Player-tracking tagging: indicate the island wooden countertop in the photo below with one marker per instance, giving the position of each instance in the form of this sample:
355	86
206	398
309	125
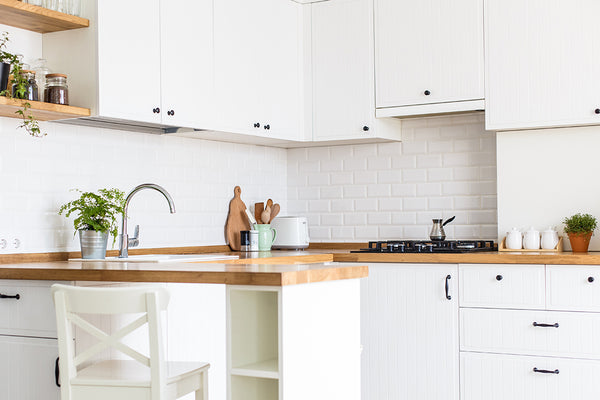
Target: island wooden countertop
184	272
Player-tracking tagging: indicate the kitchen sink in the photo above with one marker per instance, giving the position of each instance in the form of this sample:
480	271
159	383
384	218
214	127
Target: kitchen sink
157	258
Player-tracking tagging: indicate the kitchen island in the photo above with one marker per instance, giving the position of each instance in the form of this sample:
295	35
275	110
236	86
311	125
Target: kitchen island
286	331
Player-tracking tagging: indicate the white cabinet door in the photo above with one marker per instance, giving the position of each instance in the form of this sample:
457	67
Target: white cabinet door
504	377
409	331
258	67
27	370
428	51
542	63
129	59
187	62
342	69
573	287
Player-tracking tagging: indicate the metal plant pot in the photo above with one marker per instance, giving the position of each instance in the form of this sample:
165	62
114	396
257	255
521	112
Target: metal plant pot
4	72
93	244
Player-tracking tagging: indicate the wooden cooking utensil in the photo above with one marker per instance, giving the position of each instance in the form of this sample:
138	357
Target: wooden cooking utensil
274	211
266	215
269	204
258	210
236	220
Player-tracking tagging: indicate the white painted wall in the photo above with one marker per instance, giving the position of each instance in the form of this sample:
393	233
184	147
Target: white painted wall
444	166
547	175
37	174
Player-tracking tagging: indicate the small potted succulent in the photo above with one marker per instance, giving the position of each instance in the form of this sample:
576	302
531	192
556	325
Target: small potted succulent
97	216
580	228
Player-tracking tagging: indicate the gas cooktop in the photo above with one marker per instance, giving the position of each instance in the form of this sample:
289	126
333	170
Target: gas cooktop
429	246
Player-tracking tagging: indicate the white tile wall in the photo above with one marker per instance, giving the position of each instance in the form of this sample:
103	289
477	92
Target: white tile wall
444	166
36	175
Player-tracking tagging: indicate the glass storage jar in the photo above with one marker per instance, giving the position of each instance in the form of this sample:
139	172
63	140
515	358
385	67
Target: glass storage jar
56	90
41	70
31	88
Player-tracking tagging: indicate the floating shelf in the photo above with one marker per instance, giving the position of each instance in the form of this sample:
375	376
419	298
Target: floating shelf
42	111
268	369
38	19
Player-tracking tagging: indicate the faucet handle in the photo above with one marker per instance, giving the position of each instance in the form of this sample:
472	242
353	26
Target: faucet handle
135	240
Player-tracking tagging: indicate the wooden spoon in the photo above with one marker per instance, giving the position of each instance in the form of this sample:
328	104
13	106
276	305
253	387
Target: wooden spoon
265	217
274	211
269	204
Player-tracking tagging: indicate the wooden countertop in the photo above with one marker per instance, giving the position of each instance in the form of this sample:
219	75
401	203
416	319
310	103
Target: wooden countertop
231	274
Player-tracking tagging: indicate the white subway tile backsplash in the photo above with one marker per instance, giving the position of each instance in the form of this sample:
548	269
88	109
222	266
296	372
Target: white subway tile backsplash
442	203
429	161
355	164
365	177
351	192
365	205
342	205
377	163
331	192
414	204
332	165
365	233
389	176
404	218
404	190
392	148
414	147
342	233
414	175
402	162
390	232
332	219
429	189
380	218
466	173
355	219
343	178
467	202
391	204
380	190
439	174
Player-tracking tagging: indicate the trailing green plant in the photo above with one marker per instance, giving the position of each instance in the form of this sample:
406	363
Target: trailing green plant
580	223
20	84
96	211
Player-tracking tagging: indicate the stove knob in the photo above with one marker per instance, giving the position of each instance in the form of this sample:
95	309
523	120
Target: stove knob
395	248
402	247
418	247
430	248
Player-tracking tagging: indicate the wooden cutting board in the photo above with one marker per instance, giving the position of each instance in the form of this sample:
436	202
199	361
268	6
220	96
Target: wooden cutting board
236	220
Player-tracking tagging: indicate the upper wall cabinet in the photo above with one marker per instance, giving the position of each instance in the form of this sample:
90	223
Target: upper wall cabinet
343	90
542	63
259	60
428	56
138	62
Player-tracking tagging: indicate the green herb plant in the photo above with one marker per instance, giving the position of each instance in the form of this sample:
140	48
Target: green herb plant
96	211
20	83
580	223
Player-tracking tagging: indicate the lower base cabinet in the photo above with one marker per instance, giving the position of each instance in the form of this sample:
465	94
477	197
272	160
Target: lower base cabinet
27	368
409	332
508	377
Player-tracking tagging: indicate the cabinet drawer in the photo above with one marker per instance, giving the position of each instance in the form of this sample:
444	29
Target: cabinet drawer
573	288
503	377
502	286
30	315
513	331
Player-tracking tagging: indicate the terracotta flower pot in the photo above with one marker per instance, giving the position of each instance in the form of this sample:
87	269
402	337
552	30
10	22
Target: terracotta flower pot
580	241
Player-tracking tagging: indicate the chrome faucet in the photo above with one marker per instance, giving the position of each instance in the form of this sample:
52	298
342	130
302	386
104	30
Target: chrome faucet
125	241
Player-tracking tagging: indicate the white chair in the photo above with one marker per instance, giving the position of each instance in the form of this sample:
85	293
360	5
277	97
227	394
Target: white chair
147	378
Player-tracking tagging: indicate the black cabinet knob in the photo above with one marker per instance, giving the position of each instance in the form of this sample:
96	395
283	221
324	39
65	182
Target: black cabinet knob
365	128
427	93
499	278
156	110
257	125
171	112
267	127
590	279
597	110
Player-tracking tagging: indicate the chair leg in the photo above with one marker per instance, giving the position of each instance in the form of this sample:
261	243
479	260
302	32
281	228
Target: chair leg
202	393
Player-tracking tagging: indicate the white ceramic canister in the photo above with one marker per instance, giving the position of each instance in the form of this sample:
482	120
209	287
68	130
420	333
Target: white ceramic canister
514	239
549	239
531	239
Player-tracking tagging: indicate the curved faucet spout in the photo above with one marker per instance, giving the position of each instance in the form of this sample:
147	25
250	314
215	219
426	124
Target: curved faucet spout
124	241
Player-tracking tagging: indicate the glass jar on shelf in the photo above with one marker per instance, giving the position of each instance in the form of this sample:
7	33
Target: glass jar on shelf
31	87
41	70
56	90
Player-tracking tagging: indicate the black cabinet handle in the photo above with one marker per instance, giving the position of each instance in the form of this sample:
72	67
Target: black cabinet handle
267	127
597	110
447	286
365	128
545	371
257	125
499	278
156	110
546	325
590	279
57	372
427	93
171	112
6	296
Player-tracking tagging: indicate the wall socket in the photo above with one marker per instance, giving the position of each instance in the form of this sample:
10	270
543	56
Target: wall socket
9	244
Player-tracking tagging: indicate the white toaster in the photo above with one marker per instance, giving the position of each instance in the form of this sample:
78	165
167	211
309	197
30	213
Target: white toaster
292	233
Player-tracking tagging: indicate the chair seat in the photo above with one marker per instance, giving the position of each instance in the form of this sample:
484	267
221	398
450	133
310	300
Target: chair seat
133	374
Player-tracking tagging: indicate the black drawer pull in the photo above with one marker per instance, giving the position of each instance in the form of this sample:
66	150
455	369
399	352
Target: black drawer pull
447	287
546	325
545	371
5	296
499	278
590	279
57	372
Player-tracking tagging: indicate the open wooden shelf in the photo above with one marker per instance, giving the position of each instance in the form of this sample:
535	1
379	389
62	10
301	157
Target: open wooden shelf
42	111
268	369
38	19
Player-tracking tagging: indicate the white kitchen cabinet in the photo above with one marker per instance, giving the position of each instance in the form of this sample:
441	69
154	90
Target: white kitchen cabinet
343	88
27	370
294	342
573	287
409	331
428	56
503	377
259	80
141	62
542	62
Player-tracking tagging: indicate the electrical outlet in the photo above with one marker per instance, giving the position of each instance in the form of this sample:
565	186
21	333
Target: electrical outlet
16	243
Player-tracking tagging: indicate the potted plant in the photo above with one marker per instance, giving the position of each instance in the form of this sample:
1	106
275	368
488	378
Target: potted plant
96	217
580	228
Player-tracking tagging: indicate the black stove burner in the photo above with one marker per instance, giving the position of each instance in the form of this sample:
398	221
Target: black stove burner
429	246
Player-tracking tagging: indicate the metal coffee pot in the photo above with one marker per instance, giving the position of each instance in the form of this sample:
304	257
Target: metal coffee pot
437	231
